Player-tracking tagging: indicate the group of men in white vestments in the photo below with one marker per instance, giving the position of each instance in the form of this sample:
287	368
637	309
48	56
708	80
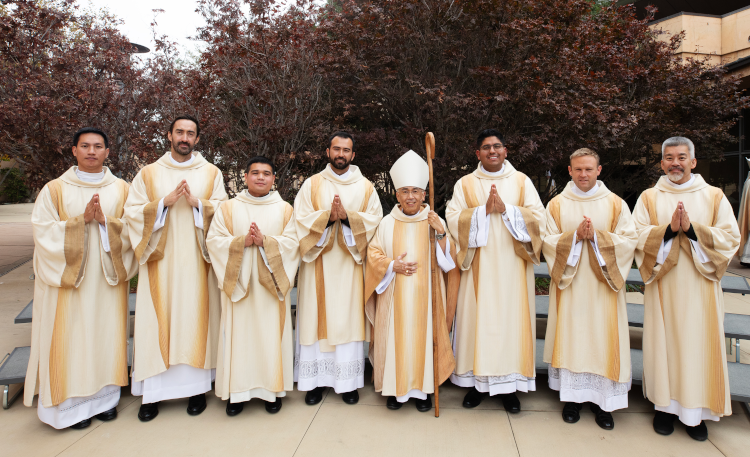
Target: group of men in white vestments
215	277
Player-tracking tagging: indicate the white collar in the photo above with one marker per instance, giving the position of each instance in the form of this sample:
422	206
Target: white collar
581	193
89	177
345	175
496	173
248	194
683	185
182	164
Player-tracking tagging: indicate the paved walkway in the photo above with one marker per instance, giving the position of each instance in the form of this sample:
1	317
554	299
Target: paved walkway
16	241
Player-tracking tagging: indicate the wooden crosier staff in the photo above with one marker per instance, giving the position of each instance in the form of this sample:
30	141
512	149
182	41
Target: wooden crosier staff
430	147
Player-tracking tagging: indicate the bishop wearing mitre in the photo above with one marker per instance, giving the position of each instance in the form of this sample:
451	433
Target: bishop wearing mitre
82	263
336	212
399	290
589	248
686	235
255	254
178	307
497	221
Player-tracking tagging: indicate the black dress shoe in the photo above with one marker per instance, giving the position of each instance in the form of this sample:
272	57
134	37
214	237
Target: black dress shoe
664	423
571	412
699	432
234	408
424	405
83	424
473	398
107	415
393	404
350	398
603	418
148	411
511	403
274	407
197	404
314	396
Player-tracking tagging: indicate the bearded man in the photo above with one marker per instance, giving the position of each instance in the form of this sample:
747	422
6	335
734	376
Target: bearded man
169	211
336	212
686	235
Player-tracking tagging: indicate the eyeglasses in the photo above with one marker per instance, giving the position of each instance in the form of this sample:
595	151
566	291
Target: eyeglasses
496	147
409	192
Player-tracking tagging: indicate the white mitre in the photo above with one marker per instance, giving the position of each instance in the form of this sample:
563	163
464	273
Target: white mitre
410	170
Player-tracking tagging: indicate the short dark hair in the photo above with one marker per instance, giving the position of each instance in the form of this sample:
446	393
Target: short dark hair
95	130
259	159
484	134
187	117
341	134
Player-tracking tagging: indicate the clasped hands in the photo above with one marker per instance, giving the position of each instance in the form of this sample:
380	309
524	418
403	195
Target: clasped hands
182	190
94	211
409	268
337	210
494	202
585	230
254	236
680	219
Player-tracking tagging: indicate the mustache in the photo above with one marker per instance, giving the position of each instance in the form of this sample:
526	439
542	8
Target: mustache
676	167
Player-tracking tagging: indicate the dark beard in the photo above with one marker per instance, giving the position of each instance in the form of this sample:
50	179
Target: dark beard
339	167
179	151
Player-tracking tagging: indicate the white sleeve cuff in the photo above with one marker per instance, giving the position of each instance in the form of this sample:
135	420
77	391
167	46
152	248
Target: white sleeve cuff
699	250
598	254
265	260
515	223
444	260
663	251
198	215
104	235
348	236
161	216
389	275
322	238
575	252
480	228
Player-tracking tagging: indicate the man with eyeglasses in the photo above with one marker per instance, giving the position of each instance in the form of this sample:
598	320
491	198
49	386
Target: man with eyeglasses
336	212
497	221
398	287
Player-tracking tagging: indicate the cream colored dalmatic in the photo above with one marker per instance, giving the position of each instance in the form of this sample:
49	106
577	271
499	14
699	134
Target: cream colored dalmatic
495	326
684	365
178	303
588	340
255	358
79	354
331	313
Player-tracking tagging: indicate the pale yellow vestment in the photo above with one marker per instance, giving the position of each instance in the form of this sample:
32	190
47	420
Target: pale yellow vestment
255	346
78	330
683	328
401	316
587	327
178	303
495	328
331	278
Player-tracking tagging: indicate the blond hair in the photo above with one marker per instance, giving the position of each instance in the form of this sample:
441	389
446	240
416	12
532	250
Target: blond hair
583	152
